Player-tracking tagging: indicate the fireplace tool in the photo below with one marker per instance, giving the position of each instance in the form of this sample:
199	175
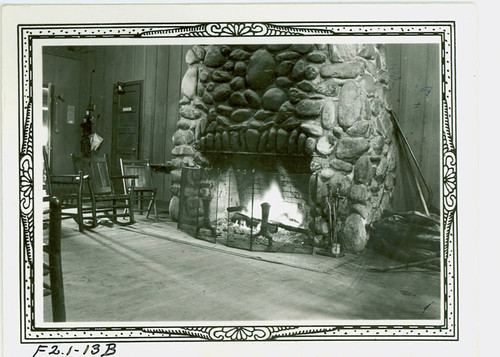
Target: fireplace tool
408	152
333	250
206	199
205	223
264	224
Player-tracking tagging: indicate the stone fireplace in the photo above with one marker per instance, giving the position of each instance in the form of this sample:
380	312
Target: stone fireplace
285	114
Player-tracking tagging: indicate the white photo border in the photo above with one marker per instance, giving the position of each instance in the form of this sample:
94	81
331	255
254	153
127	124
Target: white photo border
447	329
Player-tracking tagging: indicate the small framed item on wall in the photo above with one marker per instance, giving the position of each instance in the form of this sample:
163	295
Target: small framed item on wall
70	114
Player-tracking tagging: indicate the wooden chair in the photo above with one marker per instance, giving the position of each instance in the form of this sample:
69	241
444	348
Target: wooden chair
52	247
104	201
143	184
68	189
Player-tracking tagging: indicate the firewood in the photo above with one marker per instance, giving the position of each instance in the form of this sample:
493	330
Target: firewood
235	208
252	222
289	228
238	216
414	217
395	224
404	254
426	241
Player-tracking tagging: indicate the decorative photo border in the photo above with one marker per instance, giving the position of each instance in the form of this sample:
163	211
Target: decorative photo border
31	332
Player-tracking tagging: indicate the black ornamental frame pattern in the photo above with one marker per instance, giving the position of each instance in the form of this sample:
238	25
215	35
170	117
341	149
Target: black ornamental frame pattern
445	329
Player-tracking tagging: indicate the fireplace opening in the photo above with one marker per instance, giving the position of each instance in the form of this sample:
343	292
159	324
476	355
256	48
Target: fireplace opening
267	208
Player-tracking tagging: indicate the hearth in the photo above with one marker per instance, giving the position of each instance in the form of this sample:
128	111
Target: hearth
260	121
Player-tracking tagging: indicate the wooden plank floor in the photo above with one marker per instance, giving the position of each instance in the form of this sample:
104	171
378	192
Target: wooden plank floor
153	272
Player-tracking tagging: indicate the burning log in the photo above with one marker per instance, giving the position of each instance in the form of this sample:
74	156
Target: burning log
289	228
252	222
235	209
272	225
249	221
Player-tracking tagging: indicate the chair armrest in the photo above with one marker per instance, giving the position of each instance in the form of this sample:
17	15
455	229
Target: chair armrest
131	177
66	176
124	177
67	179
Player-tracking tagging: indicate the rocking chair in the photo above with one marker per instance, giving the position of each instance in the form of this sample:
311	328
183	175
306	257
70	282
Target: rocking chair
104	201
68	189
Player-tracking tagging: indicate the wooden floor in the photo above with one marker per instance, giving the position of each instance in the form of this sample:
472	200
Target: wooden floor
153	272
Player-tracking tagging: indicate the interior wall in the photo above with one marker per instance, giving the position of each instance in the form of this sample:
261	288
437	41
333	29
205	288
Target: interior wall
414	94
160	68
61	67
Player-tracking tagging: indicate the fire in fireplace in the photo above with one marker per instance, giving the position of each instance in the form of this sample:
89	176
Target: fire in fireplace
278	209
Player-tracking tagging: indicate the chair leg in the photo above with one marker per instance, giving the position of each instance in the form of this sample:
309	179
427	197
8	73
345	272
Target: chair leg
125	211
79	211
56	275
94	213
131	206
140	197
79	219
131	211
152	204
149	207
156	212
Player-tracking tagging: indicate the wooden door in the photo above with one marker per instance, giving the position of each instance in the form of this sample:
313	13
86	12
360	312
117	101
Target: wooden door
127	107
64	136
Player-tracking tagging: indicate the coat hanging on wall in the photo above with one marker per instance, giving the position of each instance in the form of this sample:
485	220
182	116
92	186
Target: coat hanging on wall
89	141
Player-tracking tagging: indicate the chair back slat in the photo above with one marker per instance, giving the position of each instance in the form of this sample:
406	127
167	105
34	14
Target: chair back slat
138	168
100	176
98	171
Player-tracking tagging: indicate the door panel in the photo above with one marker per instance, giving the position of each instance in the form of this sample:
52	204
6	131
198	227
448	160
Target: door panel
129	100
127	103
